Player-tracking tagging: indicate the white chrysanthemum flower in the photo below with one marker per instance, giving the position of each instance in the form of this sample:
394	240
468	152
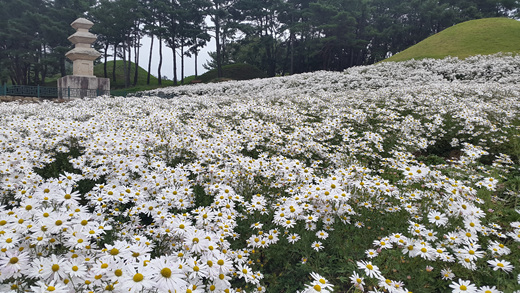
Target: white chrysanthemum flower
463	286
317	245
167	275
318	285
371	270
52	286
500	265
137	279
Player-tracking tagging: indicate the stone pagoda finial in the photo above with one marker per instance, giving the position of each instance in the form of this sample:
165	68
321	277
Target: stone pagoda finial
83	55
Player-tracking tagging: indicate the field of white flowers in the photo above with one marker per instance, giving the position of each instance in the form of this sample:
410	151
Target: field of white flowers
395	177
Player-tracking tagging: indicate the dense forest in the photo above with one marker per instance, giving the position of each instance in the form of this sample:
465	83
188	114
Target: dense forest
277	36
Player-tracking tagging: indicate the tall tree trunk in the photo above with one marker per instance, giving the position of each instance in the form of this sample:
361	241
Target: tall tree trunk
106	59
127	77
19	72
36	74
291	70
136	58
37	67
114	66
196	65
217	40
44	69
150	62
160	62
182	64
125	66
44	73
174	66
27	74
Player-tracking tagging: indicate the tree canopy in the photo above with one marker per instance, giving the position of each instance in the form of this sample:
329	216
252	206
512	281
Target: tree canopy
276	36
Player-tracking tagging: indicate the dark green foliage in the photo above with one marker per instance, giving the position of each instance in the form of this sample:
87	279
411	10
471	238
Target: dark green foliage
33	39
201	198
235	72
60	165
431	160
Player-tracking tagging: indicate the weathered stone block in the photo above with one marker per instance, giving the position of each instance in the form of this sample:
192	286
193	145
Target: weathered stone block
74	87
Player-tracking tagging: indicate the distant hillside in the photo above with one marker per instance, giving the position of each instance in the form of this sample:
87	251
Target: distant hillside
141	78
475	37
120	76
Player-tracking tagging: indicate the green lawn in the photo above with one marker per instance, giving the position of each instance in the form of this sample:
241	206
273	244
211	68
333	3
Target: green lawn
475	37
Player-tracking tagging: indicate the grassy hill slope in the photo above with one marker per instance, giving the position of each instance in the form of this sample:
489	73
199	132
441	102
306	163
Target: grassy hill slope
120	77
141	77
475	37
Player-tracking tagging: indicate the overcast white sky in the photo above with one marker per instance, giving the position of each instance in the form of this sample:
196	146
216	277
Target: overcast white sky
167	65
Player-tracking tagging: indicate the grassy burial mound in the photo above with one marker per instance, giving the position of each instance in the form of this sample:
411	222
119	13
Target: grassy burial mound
470	38
120	74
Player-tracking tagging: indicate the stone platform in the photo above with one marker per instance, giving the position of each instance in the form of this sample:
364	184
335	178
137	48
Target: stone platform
74	86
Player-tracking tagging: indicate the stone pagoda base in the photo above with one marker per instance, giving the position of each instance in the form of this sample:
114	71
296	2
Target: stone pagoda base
74	87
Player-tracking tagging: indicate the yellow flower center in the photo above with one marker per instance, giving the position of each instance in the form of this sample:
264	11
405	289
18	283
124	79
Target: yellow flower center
138	277
166	272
